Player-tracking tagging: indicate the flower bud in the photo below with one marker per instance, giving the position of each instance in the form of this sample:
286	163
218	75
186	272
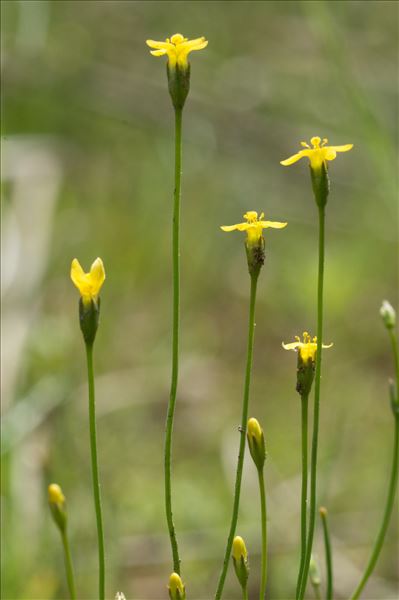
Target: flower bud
256	443
240	560
89	315
314	572
176	588
56	501
388	315
178	84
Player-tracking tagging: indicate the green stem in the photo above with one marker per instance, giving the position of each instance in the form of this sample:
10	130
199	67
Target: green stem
391	489
328	553
68	565
316	407
245	593
94	469
243	427
264	534
304	491
175	343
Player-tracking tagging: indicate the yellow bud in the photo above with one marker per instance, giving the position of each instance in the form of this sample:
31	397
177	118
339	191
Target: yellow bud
55	495
239	549
176	587
256	443
254	429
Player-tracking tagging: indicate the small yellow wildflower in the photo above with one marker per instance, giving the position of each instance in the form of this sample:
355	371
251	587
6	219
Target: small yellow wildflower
239	549
307	349
317	155
177	48
55	495
88	284
176	587
254	226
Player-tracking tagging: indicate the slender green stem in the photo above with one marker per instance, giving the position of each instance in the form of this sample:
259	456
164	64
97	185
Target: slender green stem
243	427
95	476
304	491
328	553
175	343
264	534
316	407
316	589
391	489
245	593
68	565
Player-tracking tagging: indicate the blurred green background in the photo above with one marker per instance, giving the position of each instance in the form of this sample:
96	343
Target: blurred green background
88	171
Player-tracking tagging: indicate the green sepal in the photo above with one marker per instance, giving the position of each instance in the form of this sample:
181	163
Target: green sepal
177	595
59	515
255	256
179	84
242	570
304	376
89	315
320	184
257	450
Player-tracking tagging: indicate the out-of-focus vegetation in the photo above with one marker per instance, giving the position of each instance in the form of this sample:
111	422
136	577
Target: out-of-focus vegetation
88	171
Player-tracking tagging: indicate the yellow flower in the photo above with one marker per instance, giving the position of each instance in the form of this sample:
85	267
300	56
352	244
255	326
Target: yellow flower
55	495
177	48
307	349
254	226
239	549
317	155
88	284
176	587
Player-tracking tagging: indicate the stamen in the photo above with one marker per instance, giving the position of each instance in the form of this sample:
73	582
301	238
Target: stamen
305	145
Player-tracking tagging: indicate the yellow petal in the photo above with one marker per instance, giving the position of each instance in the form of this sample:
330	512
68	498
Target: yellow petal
197	44
329	153
159	45
327	345
77	274
292	345
294	158
97	275
273	224
228	227
158	52
344	148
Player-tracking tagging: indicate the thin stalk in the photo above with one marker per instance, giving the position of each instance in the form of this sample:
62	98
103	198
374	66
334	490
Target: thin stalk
68	565
391	488
245	593
244	419
316	407
264	534
328	553
304	491
175	342
94	470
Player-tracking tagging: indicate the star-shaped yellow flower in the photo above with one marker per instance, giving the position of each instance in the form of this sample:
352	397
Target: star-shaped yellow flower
307	349
88	284
177	48
317	155
254	226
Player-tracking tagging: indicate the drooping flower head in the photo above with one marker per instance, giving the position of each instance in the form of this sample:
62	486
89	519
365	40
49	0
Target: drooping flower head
319	154
254	226
177	49
88	284
306	349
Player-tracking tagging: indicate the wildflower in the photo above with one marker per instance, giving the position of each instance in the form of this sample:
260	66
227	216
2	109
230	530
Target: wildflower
256	442
254	226
306	349
88	284
55	495
319	154
177	49
240	560
176	587
56	500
